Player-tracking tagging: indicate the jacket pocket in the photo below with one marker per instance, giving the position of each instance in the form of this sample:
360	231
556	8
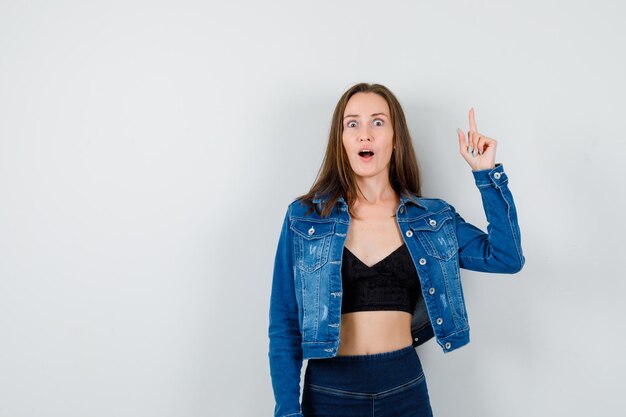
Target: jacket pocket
312	243
436	234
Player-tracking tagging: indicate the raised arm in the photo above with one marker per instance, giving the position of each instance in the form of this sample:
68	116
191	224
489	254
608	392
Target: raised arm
500	249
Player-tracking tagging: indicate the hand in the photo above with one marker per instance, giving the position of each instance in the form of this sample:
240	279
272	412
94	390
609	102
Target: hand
479	151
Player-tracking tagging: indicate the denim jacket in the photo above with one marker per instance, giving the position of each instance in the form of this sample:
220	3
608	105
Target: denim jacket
305	303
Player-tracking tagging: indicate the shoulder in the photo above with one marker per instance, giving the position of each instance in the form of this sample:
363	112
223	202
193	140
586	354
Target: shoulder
434	203
316	208
430	204
299	208
296	205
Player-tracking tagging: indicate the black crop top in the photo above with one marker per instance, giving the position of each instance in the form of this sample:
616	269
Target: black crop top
390	284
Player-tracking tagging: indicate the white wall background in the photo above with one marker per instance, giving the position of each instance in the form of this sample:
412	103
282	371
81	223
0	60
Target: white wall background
148	151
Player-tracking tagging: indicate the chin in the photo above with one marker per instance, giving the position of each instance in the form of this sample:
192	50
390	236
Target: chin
366	174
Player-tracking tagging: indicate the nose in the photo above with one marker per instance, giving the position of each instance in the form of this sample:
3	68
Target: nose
365	136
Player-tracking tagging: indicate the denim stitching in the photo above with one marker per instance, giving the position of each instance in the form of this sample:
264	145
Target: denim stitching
413	219
508	212
338	391
427	243
427	240
446	279
517	248
463	330
317	303
461	296
366	395
400	388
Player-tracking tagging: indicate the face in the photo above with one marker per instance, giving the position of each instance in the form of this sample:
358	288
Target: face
367	126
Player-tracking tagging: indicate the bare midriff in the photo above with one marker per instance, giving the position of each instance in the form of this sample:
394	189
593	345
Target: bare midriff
368	332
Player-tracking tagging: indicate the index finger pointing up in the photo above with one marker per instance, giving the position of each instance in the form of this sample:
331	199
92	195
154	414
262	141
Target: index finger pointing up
472	120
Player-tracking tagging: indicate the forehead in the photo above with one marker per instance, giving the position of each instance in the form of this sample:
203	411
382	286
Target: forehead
366	103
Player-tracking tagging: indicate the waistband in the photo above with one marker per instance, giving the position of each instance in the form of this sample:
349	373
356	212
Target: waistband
408	350
365	373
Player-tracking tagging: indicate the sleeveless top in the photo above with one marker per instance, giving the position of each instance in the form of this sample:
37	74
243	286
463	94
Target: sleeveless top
390	284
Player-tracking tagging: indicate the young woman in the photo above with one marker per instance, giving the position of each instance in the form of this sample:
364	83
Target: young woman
367	268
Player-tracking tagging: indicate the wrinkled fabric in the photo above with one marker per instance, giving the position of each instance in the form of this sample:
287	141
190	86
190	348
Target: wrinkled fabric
306	293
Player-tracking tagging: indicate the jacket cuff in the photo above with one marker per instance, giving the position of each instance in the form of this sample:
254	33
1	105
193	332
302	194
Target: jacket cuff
491	176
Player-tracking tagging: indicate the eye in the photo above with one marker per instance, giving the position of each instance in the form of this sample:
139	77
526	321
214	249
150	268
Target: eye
379	120
350	122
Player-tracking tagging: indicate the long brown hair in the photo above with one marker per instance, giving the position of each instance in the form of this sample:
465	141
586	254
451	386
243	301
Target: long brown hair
336	178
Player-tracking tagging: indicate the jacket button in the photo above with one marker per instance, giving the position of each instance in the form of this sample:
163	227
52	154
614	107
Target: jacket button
402	209
439	320
448	345
311	230
416	339
496	175
432	222
409	233
431	291
422	261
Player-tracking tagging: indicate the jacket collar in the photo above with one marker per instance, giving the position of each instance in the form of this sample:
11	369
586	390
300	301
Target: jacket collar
404	199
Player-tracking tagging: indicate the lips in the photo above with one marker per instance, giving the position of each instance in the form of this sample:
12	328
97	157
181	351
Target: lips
366	151
366	154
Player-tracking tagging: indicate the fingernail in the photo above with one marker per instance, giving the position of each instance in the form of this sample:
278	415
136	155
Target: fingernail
480	151
470	149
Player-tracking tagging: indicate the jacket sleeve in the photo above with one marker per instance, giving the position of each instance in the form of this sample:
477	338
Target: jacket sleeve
499	250
285	351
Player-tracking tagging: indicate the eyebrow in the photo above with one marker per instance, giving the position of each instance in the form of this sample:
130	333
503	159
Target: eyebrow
373	114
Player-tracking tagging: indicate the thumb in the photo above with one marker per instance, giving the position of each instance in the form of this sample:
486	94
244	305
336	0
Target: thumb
463	144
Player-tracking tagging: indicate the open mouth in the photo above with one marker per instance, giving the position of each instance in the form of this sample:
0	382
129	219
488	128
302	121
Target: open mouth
366	154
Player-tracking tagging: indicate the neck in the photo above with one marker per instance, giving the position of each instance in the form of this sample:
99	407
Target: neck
375	190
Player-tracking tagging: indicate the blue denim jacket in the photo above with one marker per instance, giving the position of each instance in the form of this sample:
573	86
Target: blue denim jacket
305	304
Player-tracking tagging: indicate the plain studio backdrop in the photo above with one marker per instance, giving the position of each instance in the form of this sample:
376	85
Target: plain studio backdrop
148	151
